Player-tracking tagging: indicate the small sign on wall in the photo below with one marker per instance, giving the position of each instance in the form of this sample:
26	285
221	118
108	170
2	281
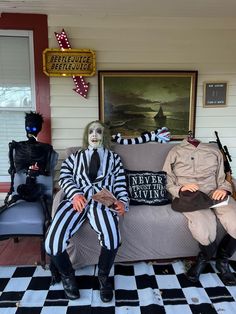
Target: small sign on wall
215	94
69	62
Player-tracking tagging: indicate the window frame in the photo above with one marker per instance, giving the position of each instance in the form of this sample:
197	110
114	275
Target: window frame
37	23
29	35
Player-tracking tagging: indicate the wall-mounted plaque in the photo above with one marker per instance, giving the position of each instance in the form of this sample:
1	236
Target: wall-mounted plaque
69	62
215	94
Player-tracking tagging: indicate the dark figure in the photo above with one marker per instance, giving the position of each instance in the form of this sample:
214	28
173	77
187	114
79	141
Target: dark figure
32	158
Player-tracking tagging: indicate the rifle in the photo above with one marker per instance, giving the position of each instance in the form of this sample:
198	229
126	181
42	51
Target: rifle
227	168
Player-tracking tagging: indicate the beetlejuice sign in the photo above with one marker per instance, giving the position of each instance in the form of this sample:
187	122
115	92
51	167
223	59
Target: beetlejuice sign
66	61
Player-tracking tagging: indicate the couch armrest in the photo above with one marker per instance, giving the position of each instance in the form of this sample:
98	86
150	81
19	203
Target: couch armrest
57	200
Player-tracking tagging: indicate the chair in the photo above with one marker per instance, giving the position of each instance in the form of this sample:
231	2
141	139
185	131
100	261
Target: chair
30	218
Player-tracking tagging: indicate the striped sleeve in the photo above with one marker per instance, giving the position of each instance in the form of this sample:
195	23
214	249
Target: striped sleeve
67	177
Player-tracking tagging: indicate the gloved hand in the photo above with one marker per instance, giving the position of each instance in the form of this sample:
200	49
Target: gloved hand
79	202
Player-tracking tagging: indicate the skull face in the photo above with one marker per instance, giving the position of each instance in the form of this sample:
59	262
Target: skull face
95	135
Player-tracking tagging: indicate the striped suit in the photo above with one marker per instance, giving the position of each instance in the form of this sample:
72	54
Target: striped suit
74	180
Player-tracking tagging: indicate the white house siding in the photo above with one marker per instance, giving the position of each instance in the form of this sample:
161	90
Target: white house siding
207	45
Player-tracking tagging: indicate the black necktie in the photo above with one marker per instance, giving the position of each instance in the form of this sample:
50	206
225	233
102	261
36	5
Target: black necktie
94	165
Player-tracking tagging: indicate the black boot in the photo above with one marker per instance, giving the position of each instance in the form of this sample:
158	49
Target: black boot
105	263
67	273
56	276
206	253
226	249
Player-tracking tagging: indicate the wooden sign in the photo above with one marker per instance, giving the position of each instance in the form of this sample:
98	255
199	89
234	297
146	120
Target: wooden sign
215	94
69	62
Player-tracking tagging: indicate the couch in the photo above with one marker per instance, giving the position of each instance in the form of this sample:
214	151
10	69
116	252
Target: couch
148	232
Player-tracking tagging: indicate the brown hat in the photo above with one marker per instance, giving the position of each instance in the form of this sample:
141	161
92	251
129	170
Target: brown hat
191	201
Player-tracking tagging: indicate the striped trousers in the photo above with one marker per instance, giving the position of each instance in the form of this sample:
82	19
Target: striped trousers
67	222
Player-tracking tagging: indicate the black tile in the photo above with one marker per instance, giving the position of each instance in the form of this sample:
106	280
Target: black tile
219	294
10	299
102	310
39	283
208	269
125	270
28	310
185	282
204	308
79	310
86	282
146	281
152	309
24	271
126	297
163	269
173	296
3	283
56	298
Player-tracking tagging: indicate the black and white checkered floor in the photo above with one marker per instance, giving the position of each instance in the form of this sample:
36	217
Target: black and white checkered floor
140	288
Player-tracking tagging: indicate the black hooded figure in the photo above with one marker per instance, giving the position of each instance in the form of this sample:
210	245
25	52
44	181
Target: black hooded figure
30	152
31	157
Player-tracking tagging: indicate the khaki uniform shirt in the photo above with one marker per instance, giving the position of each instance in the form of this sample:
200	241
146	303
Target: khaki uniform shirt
202	165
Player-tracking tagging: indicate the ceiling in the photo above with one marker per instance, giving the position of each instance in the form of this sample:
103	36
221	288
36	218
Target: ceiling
103	8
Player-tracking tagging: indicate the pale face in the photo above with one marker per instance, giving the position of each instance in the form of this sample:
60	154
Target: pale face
95	135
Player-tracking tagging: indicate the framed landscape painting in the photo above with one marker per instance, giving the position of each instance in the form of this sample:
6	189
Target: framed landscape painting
133	102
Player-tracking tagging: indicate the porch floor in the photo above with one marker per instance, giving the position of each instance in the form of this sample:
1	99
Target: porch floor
140	288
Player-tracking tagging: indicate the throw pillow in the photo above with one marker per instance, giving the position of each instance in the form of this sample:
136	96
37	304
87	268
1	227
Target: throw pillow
147	187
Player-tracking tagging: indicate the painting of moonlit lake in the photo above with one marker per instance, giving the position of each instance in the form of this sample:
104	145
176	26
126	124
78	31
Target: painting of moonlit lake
135	103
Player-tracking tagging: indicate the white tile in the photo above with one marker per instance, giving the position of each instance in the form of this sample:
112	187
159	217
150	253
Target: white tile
179	267
57	286
96	300
210	280
125	282
178	309
54	309
34	298
167	282
225	307
143	268
17	284
7	271
85	298
232	290
85	271
196	295
9	310
149	296
128	310
40	272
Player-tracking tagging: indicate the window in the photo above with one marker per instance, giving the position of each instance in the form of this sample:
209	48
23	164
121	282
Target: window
17	89
38	98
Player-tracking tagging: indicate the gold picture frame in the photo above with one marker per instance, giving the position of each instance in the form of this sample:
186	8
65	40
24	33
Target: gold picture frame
132	102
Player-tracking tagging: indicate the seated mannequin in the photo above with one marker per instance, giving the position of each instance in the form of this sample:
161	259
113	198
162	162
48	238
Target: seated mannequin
193	166
31	157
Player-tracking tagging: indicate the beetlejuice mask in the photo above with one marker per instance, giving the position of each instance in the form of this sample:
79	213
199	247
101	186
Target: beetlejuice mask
95	135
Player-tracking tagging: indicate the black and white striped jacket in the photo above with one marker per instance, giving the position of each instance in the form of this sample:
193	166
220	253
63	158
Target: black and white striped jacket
74	176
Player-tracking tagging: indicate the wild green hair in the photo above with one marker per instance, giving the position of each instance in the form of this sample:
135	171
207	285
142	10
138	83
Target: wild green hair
106	135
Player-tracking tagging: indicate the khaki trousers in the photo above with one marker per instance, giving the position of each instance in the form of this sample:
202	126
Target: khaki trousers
203	223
